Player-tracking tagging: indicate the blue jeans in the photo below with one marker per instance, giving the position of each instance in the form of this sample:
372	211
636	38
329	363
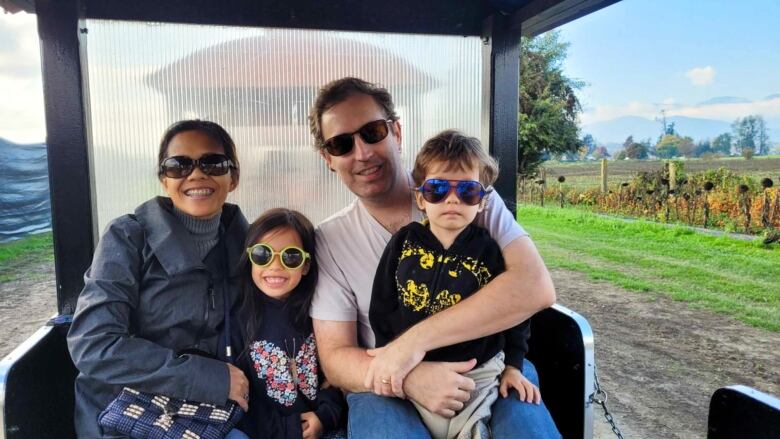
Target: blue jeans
236	434
512	418
372	416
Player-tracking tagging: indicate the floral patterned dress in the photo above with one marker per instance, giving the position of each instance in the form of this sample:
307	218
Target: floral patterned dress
281	364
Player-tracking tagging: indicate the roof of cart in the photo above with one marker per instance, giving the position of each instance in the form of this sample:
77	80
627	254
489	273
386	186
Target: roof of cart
443	17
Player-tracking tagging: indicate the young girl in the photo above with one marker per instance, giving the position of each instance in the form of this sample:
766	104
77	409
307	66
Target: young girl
288	397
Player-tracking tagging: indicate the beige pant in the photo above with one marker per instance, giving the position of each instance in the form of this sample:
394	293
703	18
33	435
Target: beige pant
472	421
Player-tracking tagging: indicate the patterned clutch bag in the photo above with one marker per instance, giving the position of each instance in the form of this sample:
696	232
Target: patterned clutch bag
142	415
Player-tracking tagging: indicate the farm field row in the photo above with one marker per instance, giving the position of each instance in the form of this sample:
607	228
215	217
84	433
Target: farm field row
585	175
736	278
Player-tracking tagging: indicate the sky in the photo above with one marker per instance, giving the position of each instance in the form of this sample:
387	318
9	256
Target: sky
641	56
637	57
21	89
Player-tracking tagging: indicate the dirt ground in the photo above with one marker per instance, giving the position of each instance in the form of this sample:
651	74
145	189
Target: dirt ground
659	360
27	301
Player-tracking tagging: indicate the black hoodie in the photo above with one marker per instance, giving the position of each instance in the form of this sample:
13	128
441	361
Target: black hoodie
278	396
417	277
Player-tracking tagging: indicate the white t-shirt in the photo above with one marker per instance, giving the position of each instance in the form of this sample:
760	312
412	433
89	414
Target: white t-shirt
349	246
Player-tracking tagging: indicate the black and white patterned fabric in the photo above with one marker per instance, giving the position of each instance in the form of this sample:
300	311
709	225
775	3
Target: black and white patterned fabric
143	415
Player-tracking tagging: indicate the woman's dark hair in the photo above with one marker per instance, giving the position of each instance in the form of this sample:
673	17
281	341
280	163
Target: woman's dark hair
211	129
299	301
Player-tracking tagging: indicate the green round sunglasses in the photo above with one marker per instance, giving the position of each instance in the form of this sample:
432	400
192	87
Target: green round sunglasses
291	257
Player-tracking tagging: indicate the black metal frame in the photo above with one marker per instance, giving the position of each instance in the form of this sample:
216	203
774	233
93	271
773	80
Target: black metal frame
743	412
504	37
69	171
66	143
43	364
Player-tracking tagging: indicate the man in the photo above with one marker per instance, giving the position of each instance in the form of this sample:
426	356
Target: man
359	136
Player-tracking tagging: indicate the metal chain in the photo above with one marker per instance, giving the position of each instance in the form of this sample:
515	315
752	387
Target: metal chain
599	396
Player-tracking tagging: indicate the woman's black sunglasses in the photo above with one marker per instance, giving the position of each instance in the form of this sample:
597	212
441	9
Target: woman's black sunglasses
436	190
372	132
181	166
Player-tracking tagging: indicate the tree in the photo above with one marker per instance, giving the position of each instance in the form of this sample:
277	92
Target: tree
636	150
548	104
667	131
750	132
601	152
703	147
686	147
629	141
666	148
588	144
633	150
722	144
670	131
762	137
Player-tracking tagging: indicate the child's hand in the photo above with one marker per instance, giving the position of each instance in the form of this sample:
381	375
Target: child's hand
512	378
312	427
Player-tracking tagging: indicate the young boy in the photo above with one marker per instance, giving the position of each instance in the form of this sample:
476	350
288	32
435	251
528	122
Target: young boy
427	267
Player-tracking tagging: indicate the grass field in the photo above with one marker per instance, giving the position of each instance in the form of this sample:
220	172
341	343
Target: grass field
737	278
33	247
585	175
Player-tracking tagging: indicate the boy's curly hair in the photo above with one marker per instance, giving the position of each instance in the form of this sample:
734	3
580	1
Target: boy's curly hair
456	150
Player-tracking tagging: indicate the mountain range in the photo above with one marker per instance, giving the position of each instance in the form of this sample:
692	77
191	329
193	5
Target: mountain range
612	133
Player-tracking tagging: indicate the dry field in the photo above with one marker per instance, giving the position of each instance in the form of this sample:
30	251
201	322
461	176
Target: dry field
584	175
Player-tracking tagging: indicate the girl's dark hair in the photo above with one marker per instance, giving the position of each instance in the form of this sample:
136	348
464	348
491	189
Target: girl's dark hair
299	301
211	129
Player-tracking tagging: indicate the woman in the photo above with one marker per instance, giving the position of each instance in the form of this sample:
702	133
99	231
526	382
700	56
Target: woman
154	298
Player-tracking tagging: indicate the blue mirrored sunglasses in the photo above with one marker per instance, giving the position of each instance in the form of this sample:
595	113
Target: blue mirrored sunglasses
436	190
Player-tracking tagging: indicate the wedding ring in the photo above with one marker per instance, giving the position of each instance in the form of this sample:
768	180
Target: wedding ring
385	381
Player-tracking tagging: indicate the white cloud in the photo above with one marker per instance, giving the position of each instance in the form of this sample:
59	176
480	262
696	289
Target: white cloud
670	101
609	112
769	108
21	108
701	75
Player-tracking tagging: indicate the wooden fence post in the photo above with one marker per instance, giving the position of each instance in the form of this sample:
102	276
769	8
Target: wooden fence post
603	176
672	175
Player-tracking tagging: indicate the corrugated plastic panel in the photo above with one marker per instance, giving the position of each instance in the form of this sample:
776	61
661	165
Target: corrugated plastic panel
259	85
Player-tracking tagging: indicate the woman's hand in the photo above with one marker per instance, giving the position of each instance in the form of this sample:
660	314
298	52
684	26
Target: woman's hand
239	387
311	425
512	378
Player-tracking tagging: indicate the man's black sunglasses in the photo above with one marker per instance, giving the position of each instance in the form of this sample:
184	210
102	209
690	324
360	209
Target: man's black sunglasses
372	132
181	166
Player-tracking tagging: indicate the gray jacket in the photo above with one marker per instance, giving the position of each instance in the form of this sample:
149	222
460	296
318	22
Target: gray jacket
147	297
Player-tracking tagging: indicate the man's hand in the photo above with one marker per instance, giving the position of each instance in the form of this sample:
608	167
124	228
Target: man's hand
239	387
512	378
440	387
390	366
311	425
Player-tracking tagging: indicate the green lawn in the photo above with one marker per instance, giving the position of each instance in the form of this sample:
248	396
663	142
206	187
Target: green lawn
36	247
729	276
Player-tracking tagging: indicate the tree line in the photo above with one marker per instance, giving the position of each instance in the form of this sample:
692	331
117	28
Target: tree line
549	109
748	137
